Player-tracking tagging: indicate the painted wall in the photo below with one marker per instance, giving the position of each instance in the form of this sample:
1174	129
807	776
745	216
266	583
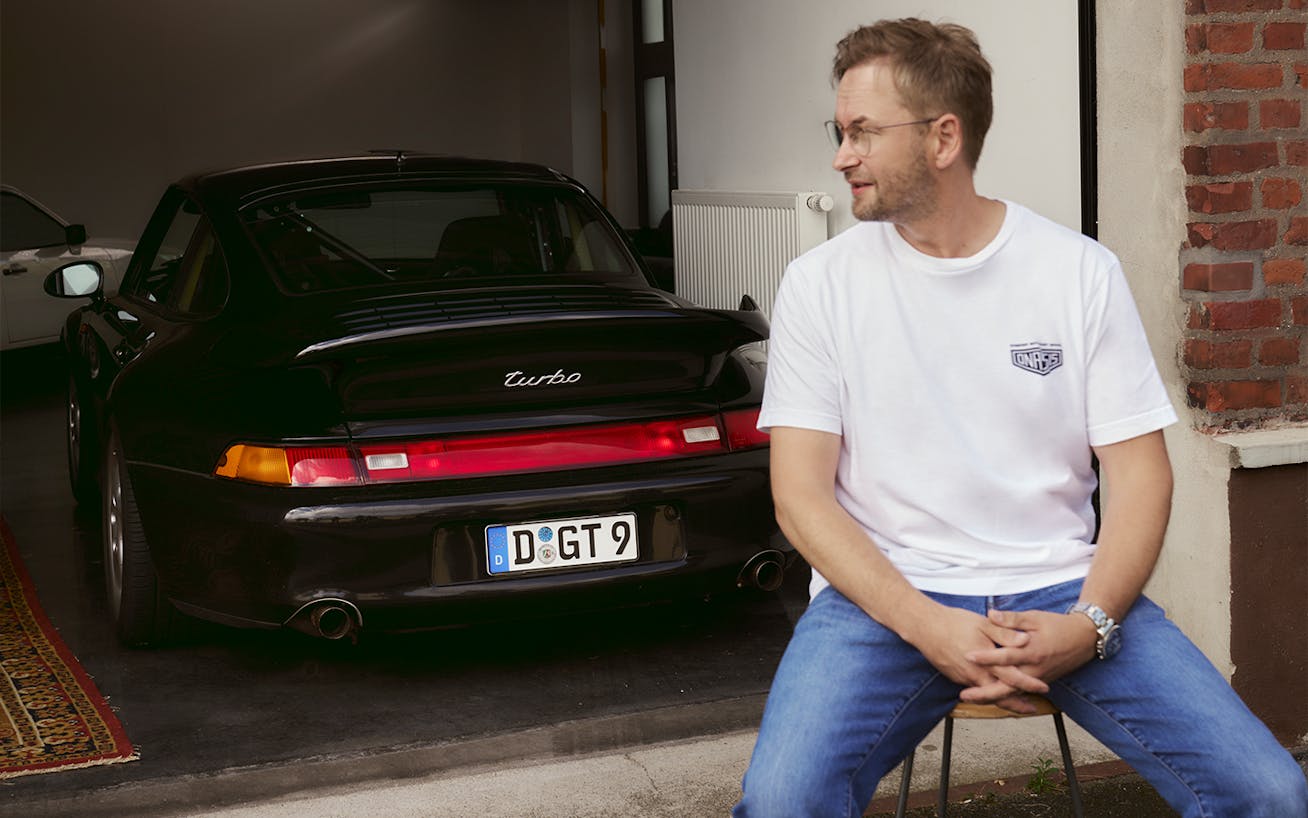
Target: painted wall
104	103
1141	53
753	91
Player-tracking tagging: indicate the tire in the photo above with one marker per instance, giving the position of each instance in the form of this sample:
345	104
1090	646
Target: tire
83	449
142	615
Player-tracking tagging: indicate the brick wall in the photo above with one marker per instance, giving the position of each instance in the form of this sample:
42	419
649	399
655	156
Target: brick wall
1244	271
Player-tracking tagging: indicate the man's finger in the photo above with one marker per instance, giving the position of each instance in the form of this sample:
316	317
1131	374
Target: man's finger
989	693
995	656
1016	620
1005	636
1019	679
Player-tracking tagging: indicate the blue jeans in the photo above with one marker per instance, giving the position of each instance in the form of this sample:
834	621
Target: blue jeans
851	699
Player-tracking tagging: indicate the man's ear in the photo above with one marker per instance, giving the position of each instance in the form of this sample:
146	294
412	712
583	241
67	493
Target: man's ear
947	144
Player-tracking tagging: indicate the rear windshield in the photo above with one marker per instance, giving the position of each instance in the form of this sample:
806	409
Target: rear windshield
472	236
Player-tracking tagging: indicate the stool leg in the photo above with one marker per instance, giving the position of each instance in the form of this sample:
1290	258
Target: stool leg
944	765
904	784
1072	785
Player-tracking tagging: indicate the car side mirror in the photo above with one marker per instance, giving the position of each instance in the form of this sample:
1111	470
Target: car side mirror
75	234
77	280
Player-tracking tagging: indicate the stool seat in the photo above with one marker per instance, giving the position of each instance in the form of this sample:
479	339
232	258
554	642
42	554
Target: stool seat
969	710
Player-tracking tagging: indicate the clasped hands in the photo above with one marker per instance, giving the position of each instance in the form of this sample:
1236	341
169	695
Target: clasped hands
1001	657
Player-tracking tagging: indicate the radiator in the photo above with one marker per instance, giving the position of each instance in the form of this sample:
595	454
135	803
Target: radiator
726	245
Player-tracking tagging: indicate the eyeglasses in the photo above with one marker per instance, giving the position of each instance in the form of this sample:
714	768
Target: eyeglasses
860	138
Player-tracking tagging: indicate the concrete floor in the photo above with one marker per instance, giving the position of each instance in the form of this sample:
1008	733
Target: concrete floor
279	702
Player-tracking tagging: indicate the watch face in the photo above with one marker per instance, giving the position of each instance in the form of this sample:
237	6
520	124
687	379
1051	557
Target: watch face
1111	643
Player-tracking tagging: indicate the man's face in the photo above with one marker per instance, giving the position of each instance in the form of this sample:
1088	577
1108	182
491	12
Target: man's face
893	181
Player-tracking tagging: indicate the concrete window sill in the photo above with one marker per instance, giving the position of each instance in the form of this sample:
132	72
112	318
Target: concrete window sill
1271	447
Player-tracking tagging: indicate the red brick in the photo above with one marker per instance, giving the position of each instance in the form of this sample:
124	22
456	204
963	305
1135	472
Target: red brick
1296	153
1229	38
1281	194
1227	159
1296	389
1298	232
1194	159
1218	277
1195	39
1279	352
1232	315
1198	318
1284	271
1237	6
1283	36
1221	396
1201	234
1230	197
1195	77
1201	354
1278	113
1252	235
1301	74
1299	310
1227	116
1242	76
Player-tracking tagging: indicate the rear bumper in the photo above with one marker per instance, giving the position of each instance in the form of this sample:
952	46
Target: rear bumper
413	556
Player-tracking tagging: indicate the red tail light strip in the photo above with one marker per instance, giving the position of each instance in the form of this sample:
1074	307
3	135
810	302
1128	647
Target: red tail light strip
546	450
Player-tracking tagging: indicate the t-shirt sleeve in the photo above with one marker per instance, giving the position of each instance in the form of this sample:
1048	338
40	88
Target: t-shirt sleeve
803	382
1125	396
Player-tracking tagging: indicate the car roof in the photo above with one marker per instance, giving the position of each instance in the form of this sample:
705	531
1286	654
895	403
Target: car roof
236	186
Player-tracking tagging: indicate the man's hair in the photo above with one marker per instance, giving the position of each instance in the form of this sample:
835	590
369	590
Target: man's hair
938	69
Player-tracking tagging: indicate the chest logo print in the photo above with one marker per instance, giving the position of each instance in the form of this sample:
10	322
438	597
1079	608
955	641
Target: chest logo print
1038	358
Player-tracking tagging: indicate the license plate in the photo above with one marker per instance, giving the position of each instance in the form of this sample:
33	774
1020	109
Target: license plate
561	543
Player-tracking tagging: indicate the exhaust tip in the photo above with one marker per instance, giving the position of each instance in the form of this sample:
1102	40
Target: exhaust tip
765	571
331	619
331	622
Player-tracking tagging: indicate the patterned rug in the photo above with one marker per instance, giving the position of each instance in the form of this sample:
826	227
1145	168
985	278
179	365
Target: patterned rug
51	715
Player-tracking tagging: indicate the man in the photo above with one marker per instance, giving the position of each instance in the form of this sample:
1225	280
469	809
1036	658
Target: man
939	377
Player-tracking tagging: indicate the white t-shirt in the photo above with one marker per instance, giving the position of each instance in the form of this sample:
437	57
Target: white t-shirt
967	393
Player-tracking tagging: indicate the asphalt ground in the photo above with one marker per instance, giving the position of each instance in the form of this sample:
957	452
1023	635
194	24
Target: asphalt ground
227	701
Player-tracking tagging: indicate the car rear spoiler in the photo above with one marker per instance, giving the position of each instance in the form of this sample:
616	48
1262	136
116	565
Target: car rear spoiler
731	328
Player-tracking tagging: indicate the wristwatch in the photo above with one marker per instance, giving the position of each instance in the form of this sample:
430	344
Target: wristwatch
1110	633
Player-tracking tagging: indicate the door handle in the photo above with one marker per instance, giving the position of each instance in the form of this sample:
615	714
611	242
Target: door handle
15	270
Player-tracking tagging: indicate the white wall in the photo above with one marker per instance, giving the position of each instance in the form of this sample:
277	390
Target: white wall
1142	217
104	103
753	89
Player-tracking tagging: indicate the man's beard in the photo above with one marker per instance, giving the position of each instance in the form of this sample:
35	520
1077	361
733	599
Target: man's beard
905	196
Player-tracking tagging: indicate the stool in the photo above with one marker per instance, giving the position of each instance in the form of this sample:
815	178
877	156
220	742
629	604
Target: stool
964	710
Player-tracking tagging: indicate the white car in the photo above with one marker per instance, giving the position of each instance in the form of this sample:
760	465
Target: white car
33	241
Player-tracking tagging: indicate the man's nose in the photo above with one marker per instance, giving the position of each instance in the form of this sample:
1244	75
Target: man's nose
845	157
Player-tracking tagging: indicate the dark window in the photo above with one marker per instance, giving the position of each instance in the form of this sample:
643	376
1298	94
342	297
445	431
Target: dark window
451	238
179	264
163	269
200	282
24	226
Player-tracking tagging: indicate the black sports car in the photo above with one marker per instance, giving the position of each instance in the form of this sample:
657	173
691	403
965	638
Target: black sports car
407	391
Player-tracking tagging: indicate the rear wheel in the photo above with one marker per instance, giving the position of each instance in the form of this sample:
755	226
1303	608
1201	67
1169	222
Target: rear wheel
82	447
142	615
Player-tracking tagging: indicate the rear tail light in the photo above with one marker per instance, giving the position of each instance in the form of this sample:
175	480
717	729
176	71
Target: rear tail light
289	466
479	455
742	429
